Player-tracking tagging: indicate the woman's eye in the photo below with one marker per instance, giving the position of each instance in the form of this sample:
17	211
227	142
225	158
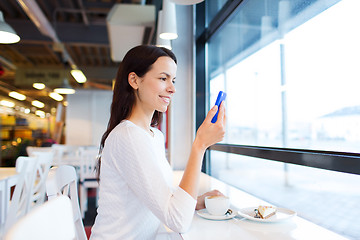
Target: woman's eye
173	81
164	79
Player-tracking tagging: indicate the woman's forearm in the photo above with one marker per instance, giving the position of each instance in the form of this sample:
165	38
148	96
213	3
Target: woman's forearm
208	134
190	179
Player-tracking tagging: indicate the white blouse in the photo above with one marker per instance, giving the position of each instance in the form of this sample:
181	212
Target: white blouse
136	193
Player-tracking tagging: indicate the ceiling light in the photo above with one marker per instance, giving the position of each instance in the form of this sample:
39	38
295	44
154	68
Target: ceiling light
78	75
65	88
17	95
27	110
186	2
7	103
159	41
39	86
7	33
40	113
38	104
168	28
56	96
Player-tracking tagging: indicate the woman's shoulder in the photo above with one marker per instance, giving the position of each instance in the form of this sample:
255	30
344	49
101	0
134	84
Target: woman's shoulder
125	127
126	130
157	131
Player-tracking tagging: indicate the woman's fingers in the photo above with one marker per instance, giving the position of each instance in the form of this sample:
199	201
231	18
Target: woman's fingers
201	199
210	133
214	192
211	113
221	115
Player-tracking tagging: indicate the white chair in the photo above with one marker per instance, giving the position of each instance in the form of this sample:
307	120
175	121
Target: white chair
66	154
62	181
8	179
31	149
88	175
30	187
52	220
43	165
20	201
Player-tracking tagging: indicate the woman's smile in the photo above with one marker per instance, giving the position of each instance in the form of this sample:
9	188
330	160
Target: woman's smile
166	99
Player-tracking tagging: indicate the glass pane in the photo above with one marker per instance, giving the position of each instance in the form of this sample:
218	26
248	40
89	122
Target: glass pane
327	198
293	84
290	69
256	23
212	8
254	100
322	80
216	85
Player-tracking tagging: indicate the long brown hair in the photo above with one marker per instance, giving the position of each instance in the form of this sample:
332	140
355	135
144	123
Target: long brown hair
138	60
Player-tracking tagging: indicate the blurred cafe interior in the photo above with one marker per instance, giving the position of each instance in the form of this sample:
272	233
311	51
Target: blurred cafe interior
290	69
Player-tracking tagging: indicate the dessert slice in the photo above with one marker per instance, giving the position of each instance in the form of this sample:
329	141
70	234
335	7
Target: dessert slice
266	211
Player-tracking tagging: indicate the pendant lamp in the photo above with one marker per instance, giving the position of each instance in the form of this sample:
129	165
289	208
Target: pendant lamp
65	88
159	41
7	33
168	26
186	2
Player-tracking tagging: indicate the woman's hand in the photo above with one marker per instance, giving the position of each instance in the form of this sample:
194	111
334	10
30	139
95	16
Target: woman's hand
201	199
210	133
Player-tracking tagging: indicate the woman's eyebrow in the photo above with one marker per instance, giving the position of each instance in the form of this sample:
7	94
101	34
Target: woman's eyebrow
168	75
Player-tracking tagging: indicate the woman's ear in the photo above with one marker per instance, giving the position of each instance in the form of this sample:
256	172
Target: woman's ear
133	80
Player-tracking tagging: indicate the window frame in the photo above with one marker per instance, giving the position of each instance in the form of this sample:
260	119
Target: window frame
328	160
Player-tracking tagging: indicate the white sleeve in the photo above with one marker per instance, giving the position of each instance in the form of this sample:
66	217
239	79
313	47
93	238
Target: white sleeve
138	165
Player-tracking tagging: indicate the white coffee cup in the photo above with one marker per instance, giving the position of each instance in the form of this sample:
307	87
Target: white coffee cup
217	205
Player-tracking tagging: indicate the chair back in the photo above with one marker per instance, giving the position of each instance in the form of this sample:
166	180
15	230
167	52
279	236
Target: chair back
52	220
44	161
31	149
88	162
65	154
62	180
20	201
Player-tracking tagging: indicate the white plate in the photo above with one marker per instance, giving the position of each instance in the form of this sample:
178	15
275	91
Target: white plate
204	213
281	215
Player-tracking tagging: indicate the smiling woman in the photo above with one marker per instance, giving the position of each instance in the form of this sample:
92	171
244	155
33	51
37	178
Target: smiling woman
136	195
155	87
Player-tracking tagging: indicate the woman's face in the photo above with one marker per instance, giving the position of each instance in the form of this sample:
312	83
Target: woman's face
156	87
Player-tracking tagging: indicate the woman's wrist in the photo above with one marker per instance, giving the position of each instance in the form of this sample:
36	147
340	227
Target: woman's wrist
198	146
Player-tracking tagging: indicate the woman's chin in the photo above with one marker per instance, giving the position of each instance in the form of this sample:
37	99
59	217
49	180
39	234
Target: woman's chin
162	109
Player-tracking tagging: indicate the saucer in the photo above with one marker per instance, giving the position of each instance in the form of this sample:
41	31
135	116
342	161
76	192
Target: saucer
204	213
281	215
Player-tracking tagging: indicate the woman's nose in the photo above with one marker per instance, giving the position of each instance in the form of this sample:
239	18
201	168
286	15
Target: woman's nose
171	87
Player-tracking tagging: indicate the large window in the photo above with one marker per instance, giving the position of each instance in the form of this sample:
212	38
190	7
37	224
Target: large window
290	69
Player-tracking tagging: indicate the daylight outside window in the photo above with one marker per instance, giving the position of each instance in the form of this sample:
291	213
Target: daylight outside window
293	89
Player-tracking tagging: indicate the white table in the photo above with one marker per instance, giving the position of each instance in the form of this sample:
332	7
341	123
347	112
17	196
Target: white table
241	228
8	179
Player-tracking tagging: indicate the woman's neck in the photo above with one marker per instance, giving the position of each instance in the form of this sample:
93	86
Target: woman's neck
140	118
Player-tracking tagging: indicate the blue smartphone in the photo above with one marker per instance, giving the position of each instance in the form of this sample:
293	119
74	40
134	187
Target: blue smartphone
221	97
